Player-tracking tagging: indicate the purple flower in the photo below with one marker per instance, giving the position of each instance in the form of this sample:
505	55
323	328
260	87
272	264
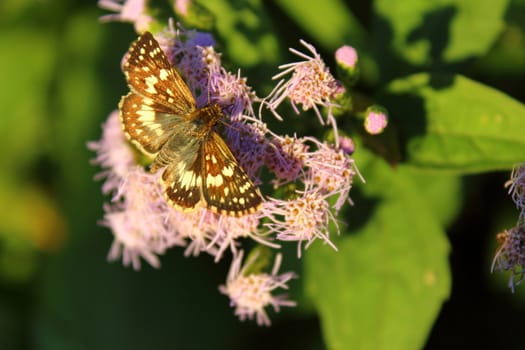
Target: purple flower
347	67
193	54
251	292
133	11
182	6
232	92
137	217
214	234
317	170
516	186
136	214
306	173
302	219
376	120
347	145
113	154
346	56
332	171
285	158
323	172
325	168
311	84
143	223
248	142
197	64
511	254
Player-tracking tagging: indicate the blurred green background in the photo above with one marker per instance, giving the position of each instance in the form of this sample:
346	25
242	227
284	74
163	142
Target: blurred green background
60	73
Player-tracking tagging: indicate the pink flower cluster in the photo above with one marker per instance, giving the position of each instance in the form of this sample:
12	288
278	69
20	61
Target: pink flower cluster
311	86
306	173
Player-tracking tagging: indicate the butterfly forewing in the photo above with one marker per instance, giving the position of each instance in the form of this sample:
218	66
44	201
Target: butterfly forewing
150	74
226	187
161	118
148	124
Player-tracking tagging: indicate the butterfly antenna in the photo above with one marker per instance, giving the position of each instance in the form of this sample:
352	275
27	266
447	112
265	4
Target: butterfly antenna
225	123
230	126
209	87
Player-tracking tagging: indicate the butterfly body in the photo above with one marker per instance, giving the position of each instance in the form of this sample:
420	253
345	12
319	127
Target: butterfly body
161	118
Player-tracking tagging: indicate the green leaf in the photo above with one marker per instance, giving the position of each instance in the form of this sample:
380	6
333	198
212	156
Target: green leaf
384	288
245	28
456	124
434	33
442	193
342	28
507	56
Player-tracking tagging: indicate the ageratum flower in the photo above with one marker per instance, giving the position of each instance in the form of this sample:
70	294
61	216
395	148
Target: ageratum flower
250	292
516	186
133	11
311	84
511	254
376	120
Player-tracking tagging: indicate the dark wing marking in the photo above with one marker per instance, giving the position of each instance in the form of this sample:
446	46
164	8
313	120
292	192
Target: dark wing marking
226	187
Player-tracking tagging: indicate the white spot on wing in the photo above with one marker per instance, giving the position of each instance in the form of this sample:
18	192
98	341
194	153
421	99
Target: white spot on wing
227	171
163	74
150	84
214	180
146	116
188	179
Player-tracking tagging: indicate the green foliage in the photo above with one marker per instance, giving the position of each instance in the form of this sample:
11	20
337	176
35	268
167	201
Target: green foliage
448	122
24	95
246	31
342	26
390	276
410	35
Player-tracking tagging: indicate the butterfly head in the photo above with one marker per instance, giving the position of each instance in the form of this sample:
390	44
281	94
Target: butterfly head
212	112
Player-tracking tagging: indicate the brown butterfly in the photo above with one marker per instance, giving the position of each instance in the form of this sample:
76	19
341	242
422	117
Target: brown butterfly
161	118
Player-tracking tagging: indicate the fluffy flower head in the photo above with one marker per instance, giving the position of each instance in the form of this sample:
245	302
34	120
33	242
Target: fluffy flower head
251	292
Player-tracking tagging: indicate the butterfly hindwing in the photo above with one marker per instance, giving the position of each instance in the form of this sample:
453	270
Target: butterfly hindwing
182	177
226	187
